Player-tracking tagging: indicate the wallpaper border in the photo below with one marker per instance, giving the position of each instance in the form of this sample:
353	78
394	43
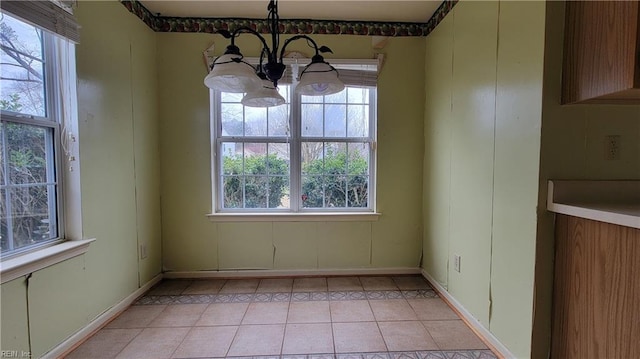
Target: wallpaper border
289	26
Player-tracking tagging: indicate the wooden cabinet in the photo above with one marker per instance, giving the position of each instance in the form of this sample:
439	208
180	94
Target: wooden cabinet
601	52
596	300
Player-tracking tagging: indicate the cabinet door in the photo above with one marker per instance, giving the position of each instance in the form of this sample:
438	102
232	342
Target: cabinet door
601	52
596	290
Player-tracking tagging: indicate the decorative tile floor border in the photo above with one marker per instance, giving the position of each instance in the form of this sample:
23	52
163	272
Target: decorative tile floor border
285	297
430	354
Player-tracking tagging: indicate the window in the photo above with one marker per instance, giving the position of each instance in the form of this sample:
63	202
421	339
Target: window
312	154
29	138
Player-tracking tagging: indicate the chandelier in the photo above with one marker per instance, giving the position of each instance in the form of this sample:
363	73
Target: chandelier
231	73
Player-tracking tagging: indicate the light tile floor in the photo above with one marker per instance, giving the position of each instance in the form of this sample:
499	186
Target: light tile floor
301	318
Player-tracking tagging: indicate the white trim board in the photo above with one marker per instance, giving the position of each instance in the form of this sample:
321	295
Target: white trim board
81	335
13	268
270	273
469	318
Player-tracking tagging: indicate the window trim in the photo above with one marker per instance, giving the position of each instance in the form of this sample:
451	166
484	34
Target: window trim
26	263
295	211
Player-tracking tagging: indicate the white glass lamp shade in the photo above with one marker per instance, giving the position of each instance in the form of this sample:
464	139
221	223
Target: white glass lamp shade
318	79
265	96
230	76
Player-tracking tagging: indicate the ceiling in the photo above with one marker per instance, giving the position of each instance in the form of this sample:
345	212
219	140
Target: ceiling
345	10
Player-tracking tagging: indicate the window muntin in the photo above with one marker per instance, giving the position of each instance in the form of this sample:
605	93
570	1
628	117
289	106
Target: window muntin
29	139
315	153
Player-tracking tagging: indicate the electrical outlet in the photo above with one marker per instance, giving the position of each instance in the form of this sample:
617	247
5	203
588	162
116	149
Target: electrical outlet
456	263
612	147
143	250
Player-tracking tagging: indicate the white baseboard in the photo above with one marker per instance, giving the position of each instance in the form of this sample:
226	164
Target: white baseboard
104	318
289	273
469	318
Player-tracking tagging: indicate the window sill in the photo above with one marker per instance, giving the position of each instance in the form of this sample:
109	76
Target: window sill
16	267
295	217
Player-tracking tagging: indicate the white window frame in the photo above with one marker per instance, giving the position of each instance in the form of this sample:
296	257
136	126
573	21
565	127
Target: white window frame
295	140
51	121
70	242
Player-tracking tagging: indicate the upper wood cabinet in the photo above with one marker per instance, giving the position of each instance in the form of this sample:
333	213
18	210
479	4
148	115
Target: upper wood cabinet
601	52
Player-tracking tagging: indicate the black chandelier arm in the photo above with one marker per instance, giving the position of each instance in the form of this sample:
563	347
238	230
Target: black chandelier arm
248	30
309	39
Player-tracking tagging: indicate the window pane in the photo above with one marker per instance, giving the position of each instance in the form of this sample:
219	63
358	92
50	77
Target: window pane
27	148
2	154
278	159
358	95
358	121
358	191
358	175
22	68
312	158
231	97
279	192
232	118
335	158
335	121
312	120
255	158
255	175
232	163
232	189
324	180
312	99
334	191
279	120
340	97
4	229
32	215
256	191
255	121
312	191
358	163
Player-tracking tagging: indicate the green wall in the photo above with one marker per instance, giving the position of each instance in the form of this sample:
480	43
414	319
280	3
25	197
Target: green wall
119	164
493	138
573	148
191	242
483	87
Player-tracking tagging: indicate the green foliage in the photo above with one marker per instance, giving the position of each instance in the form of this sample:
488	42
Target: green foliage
339	178
257	185
12	103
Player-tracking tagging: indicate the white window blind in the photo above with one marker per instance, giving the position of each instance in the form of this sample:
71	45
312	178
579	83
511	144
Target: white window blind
46	15
358	72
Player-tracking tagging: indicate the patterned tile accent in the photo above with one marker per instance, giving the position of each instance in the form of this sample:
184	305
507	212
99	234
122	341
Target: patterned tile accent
300	297
321	356
284	297
281	297
420	293
223	298
263	297
404	355
319	296
193	299
297	26
350	356
377	356
431	355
